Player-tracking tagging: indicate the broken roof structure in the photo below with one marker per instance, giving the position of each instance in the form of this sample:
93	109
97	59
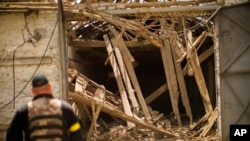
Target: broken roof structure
172	31
125	55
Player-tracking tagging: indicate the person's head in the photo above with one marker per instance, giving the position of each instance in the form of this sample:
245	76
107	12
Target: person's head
41	85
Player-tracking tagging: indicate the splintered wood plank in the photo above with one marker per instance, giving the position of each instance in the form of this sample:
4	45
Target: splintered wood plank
172	83
81	84
205	124
195	64
96	109
125	77
164	87
183	89
203	56
210	123
117	74
127	82
88	100
177	46
167	58
149	38
115	42
129	66
156	93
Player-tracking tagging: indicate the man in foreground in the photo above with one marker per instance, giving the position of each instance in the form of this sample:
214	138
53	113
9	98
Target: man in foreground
44	118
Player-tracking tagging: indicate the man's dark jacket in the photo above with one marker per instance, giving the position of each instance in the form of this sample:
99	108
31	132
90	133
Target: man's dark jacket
19	128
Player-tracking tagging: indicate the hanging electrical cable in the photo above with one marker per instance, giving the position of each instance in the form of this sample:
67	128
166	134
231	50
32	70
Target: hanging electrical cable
42	57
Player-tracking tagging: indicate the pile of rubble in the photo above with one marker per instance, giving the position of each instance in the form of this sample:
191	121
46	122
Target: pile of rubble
94	105
184	39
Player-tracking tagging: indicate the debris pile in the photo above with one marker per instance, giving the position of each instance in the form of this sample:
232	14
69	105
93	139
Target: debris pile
93	103
184	39
182	32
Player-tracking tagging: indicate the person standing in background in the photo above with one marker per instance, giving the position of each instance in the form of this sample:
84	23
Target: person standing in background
45	118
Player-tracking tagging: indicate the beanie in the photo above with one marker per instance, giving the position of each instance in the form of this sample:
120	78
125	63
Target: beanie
39	80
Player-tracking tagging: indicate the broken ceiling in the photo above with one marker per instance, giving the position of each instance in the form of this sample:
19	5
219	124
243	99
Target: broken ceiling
113	40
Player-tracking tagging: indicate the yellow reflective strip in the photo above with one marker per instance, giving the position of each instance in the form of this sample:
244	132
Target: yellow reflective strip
75	127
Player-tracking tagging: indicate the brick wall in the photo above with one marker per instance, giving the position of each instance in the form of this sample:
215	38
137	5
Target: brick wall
24	41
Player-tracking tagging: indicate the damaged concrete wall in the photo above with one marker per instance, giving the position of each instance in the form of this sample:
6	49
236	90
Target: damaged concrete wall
29	45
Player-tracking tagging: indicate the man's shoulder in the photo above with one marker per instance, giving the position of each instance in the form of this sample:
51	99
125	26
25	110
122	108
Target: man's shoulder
23	108
65	104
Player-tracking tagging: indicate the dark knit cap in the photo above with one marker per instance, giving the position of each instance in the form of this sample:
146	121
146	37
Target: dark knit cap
39	80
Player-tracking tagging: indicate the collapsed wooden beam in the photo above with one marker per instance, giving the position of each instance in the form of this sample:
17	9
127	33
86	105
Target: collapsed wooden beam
81	44
201	58
82	95
131	72
96	109
178	51
126	24
164	87
182	87
168	63
118	76
126	80
156	93
194	62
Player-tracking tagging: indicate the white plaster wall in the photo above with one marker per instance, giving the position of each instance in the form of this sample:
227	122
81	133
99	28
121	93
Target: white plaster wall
15	79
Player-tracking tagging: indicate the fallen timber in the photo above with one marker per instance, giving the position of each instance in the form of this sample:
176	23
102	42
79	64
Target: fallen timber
88	93
93	96
82	95
166	43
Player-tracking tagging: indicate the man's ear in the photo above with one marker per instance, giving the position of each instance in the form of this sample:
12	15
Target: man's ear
50	86
33	91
